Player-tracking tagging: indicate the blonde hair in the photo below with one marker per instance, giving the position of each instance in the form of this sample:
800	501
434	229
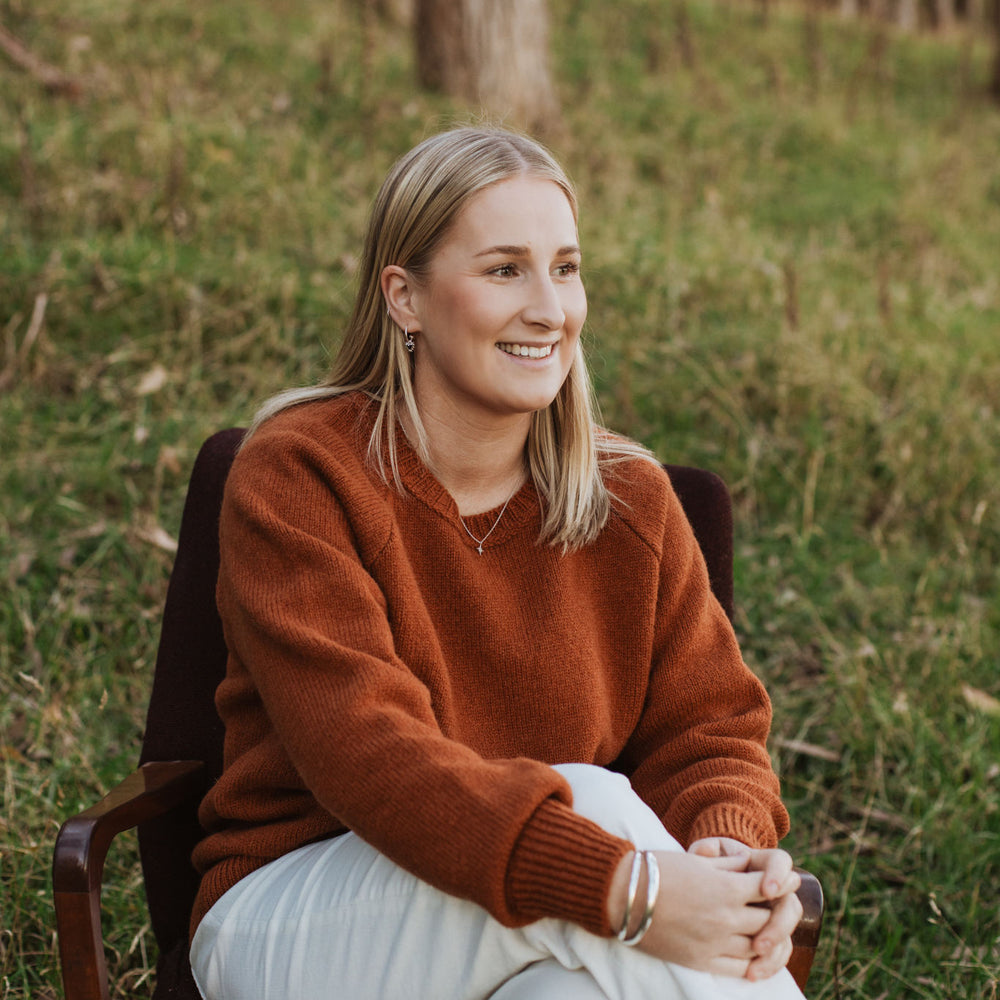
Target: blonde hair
413	212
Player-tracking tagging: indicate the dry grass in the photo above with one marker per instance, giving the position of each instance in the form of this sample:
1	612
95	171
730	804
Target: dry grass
791	242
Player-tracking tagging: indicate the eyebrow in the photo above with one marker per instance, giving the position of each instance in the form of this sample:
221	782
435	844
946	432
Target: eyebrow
520	251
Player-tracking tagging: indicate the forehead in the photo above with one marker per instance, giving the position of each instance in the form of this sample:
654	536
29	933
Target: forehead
514	210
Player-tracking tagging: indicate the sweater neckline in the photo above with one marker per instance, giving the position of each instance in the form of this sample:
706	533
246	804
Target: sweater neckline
418	481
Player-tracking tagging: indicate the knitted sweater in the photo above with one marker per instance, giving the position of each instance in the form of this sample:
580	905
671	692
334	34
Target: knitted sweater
384	677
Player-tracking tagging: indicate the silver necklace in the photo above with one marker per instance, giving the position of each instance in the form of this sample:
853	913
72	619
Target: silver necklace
479	541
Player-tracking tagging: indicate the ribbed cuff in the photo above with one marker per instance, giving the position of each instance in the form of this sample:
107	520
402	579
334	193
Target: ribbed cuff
726	820
562	866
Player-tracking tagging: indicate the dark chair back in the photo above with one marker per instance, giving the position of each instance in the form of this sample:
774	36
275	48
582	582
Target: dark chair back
182	723
709	508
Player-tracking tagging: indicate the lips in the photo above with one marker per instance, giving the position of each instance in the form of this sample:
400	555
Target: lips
526	351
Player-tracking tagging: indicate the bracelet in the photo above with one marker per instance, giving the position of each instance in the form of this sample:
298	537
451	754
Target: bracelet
633	887
652	893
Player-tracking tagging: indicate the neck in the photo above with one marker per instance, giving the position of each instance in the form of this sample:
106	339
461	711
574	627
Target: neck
480	464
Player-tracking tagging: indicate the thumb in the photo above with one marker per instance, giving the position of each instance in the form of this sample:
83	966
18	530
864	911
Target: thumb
719	847
707	847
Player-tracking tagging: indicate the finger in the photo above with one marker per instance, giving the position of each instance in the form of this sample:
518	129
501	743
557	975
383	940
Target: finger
763	967
738	892
747	887
751	921
793	881
736	848
725	965
707	847
735	863
737	946
739	951
787	888
782	920
717	847
776	871
777	868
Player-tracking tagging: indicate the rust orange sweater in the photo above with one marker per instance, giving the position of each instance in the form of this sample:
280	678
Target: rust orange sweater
384	677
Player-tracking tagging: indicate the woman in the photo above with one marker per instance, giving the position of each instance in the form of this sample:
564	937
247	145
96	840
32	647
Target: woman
452	603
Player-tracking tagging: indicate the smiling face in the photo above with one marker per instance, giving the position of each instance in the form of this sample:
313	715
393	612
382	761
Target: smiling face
499	315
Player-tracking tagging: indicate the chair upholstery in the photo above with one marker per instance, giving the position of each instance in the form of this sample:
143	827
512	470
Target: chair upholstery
182	727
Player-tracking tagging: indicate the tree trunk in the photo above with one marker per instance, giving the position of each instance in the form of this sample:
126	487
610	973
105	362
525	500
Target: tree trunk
399	11
944	14
489	53
974	12
908	15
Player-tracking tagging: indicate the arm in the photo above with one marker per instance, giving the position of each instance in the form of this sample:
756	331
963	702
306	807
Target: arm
315	624
697	755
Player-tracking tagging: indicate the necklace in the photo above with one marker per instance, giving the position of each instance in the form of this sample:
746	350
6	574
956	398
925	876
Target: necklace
479	541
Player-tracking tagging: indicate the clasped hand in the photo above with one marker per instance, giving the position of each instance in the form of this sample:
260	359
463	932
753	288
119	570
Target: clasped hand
723	908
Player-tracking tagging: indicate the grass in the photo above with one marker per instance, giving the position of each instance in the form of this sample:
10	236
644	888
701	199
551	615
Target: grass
791	243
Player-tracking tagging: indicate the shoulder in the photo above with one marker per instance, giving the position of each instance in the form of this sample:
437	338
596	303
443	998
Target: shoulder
308	451
323	433
305	470
644	499
329	421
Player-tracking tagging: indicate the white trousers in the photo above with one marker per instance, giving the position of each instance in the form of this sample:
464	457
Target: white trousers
336	919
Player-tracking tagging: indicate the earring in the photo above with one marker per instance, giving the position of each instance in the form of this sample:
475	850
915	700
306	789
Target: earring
408	340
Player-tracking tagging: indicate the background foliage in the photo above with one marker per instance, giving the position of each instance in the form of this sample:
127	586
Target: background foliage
791	231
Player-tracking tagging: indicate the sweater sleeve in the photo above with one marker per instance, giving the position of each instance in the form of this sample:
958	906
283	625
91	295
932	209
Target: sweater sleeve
698	754
311	628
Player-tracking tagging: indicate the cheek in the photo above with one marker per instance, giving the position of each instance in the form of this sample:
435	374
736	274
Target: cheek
576	310
457	299
465	311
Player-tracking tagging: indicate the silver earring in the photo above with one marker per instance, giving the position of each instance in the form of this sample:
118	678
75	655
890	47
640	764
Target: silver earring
408	340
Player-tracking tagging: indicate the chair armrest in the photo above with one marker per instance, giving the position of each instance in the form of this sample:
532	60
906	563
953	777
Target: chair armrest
78	864
806	936
83	841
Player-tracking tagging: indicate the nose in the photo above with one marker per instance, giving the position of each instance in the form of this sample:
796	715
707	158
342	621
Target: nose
545	307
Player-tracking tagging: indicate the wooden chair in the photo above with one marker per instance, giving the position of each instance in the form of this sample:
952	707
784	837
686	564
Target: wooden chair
182	748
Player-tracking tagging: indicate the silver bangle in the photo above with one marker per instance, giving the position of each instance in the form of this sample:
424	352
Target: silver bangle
633	888
652	893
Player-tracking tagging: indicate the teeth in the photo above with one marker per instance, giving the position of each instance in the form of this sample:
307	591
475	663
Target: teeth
523	351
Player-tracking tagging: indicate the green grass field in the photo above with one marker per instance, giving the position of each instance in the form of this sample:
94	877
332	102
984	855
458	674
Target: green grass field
792	250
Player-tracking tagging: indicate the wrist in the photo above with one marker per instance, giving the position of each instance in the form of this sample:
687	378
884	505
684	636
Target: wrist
634	890
618	891
562	866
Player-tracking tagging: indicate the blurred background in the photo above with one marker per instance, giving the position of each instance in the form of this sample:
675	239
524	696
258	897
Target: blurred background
791	232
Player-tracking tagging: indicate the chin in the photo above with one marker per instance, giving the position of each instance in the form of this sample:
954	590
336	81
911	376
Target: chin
538	398
529	403
529	408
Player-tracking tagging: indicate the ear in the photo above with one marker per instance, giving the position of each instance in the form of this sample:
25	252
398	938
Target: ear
398	291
